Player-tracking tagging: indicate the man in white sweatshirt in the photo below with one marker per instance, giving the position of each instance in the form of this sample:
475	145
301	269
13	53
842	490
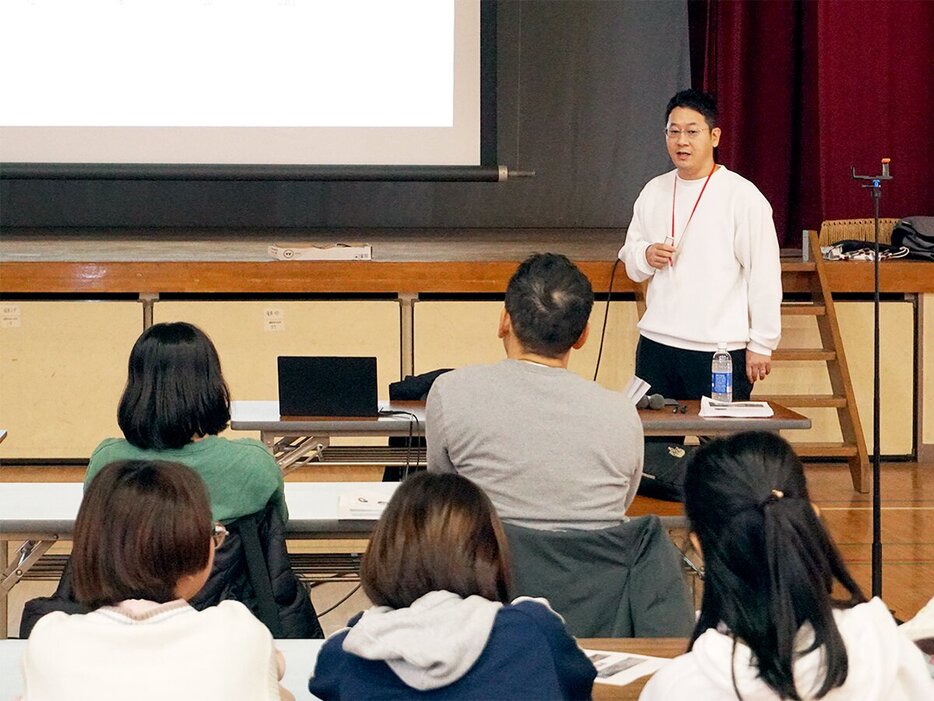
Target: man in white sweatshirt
704	239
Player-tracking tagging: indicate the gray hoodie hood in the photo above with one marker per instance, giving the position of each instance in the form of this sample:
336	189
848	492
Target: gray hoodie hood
430	644
874	649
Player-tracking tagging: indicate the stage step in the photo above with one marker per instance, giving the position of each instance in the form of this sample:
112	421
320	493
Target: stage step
826	450
798	354
803	309
805	400
799	266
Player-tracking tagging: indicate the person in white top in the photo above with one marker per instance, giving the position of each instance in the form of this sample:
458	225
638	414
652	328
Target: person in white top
704	239
143	546
770	626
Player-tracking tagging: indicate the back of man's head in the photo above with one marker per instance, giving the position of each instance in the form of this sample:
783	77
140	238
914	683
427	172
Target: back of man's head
549	301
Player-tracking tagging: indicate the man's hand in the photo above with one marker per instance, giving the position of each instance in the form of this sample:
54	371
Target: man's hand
757	366
659	255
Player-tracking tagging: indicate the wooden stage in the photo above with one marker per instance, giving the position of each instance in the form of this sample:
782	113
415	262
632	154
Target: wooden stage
102	262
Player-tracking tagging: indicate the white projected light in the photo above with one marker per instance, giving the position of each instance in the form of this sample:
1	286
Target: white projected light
240	81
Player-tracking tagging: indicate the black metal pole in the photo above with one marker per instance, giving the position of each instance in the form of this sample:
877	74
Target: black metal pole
876	373
875	190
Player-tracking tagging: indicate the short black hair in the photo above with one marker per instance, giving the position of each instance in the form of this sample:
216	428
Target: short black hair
549	302
698	101
174	389
142	526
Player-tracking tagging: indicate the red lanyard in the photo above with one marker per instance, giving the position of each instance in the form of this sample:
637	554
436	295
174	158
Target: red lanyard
673	192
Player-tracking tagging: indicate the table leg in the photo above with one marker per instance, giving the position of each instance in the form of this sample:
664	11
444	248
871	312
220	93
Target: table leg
5	559
26	556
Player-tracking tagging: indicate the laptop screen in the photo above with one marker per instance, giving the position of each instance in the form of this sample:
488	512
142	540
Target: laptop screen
327	386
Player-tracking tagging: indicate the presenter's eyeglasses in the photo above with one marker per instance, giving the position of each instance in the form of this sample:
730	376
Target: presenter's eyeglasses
674	134
218	534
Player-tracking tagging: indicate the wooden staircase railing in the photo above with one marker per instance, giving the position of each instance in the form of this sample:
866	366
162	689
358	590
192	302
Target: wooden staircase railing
820	306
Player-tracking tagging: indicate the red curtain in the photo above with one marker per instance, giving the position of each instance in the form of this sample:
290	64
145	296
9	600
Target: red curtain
807	90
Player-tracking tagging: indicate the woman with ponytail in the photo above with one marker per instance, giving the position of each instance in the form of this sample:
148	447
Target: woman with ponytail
781	617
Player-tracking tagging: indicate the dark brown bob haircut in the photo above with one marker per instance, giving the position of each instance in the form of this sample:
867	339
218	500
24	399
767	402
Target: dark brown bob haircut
174	388
142	526
439	532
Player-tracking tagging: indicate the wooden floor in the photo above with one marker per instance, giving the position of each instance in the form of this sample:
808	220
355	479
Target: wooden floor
907	520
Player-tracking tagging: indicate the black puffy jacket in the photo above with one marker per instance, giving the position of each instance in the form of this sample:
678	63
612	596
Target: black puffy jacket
251	567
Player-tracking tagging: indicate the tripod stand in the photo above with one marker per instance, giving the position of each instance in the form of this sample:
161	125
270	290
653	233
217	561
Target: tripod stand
874	185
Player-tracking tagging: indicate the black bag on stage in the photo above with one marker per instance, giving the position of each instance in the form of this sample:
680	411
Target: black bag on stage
413	388
664	469
917	235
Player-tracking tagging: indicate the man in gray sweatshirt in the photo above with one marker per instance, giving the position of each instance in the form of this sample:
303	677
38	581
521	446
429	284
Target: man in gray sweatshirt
550	448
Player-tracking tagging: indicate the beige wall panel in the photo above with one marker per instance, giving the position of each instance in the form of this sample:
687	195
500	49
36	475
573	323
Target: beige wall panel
927	387
250	335
825	427
455	334
619	348
897	368
62	370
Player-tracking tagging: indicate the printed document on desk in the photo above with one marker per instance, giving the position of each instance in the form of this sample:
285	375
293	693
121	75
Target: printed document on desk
734	410
361	505
636	389
622	668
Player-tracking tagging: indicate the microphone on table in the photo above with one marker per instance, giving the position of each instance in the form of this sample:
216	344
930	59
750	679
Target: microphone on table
650	401
657	402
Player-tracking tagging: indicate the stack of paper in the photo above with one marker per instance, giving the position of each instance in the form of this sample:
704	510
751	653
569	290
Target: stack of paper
734	410
622	668
636	389
361	506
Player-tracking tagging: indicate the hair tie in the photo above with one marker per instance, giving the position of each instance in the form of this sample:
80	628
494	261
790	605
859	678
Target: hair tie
773	497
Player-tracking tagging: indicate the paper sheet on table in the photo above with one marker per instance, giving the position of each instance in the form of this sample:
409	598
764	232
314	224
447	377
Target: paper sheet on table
636	389
361	506
734	410
622	668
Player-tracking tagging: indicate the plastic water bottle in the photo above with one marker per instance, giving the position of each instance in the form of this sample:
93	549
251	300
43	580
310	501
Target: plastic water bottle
721	375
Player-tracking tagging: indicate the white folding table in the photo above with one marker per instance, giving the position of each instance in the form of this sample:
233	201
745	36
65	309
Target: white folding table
295	440
39	514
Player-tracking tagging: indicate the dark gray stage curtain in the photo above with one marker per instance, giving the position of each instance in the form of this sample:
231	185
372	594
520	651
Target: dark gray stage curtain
582	87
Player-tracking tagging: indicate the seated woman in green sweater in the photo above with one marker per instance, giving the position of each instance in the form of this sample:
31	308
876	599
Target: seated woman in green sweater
174	405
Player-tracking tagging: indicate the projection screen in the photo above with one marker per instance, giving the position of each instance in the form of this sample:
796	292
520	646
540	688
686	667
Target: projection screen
276	82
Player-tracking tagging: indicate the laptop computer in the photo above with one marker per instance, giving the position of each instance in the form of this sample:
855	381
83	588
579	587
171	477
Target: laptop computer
327	386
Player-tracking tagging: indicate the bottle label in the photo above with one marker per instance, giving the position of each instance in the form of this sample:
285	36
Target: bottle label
722	383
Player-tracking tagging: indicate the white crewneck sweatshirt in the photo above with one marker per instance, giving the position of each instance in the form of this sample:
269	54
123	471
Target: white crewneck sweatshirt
145	651
725	285
883	665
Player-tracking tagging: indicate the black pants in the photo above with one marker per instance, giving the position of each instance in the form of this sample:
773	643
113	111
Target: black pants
684	374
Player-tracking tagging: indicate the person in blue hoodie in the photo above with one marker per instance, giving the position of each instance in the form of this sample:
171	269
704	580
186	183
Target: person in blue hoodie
441	627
